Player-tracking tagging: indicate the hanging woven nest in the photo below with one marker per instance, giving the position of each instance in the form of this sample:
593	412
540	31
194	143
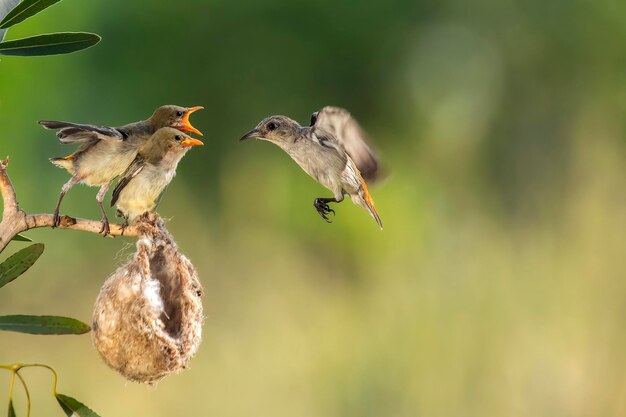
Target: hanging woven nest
147	320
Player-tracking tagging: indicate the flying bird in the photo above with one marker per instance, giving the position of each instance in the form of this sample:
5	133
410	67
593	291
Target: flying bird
105	152
333	150
142	184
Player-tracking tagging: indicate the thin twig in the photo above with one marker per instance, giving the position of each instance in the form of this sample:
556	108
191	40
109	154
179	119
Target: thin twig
15	220
11	391
17	373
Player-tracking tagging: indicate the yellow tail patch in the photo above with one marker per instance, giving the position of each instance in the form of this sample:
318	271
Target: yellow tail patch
65	162
368	197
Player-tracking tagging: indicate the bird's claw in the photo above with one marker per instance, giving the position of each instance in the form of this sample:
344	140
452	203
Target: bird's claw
323	209
124	226
56	219
105	229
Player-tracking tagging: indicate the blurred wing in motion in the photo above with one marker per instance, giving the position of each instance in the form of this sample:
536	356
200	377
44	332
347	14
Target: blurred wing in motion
352	137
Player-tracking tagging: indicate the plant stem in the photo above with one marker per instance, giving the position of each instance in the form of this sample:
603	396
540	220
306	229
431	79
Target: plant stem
25	392
17	366
11	391
15	371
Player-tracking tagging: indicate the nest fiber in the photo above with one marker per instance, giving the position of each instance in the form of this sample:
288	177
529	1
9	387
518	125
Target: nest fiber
147	320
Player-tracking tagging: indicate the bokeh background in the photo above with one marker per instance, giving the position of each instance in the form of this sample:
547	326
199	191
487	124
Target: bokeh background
498	287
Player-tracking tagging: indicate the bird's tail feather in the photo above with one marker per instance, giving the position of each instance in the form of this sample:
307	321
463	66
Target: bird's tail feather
364	199
65	162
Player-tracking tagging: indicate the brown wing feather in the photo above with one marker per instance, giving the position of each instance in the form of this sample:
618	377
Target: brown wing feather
68	128
131	172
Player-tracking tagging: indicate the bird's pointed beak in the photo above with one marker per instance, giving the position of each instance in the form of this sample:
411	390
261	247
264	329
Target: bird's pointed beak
185	124
254	133
189	142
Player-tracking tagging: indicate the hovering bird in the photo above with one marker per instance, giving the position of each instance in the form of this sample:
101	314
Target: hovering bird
332	150
140	187
105	152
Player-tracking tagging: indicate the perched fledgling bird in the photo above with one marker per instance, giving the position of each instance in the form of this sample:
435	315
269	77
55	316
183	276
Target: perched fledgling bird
105	152
140	187
332	150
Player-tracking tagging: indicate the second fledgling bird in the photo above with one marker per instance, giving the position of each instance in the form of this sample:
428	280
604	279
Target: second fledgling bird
141	186
332	150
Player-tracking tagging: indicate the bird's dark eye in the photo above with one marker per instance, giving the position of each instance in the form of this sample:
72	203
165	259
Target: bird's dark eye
178	138
313	119
179	113
271	126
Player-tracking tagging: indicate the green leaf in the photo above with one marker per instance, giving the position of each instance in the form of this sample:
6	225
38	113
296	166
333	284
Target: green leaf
16	264
49	44
43	325
73	407
11	409
24	10
21	238
5	7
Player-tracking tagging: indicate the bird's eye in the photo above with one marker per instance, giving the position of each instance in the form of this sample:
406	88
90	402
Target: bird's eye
313	119
178	138
271	126
179	113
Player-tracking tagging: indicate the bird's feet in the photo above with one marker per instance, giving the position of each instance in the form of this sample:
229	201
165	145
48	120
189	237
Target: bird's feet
105	229
56	219
124	226
323	209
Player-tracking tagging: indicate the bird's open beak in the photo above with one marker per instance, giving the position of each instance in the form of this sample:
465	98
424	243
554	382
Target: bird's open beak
189	142
185	124
251	134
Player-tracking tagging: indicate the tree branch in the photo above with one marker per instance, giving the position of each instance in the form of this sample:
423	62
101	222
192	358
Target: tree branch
15	220
8	192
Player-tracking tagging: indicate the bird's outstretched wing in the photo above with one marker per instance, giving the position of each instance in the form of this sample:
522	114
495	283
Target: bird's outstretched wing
340	123
131	172
77	133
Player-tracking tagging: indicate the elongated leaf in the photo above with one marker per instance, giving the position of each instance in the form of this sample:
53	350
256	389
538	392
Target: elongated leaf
49	44
73	407
21	238
43	325
26	9
5	7
16	264
11	409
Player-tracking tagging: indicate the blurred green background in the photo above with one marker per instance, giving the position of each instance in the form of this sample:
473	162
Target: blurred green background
497	287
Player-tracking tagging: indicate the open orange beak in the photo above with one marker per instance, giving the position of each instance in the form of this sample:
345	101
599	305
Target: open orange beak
185	125
189	142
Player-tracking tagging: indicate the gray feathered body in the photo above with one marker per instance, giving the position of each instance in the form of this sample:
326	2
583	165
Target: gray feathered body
101	155
327	164
146	180
143	192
